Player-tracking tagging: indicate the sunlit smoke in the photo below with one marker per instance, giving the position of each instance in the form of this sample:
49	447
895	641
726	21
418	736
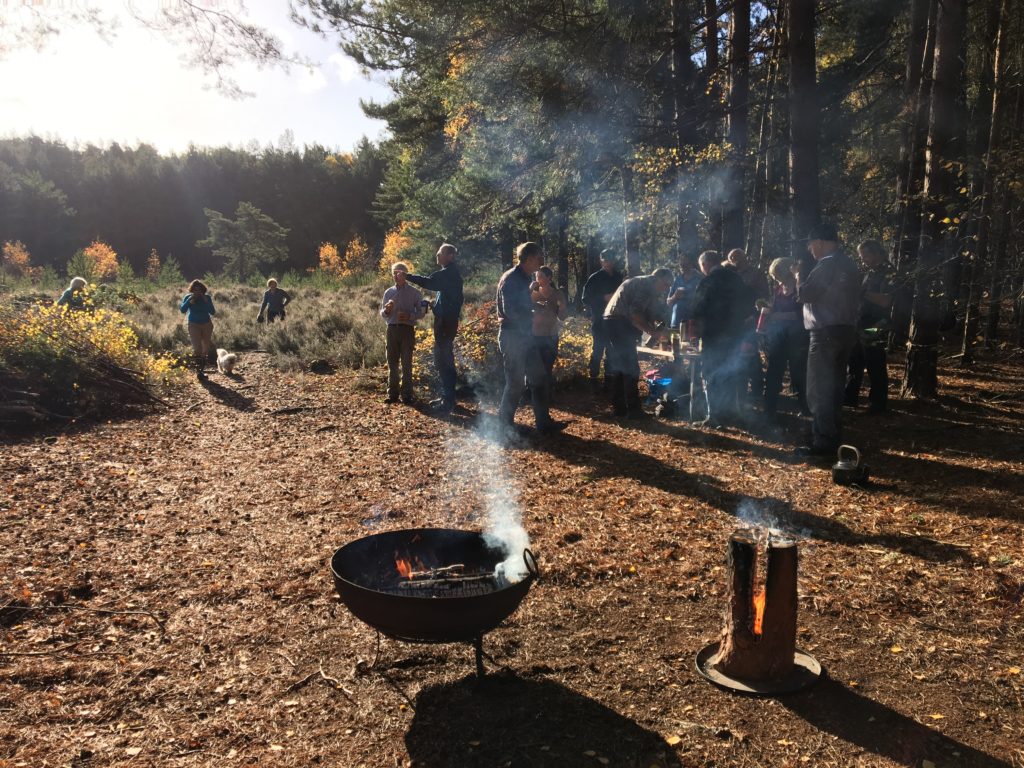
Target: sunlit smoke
480	456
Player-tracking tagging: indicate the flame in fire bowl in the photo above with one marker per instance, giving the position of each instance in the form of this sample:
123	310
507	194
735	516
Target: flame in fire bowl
429	585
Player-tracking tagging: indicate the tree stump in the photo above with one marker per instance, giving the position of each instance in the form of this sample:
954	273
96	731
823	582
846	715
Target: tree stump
759	639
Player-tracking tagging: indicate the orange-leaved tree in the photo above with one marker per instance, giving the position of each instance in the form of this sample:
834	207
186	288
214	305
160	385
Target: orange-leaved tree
102	259
395	244
153	266
331	262
357	255
16	259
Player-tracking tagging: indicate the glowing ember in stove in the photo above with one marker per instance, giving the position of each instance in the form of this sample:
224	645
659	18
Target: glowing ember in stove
759	601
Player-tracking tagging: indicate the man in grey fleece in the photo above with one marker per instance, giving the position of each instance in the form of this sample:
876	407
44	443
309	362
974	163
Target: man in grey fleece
830	295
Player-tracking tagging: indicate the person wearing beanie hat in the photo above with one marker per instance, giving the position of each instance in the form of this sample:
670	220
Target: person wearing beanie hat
830	295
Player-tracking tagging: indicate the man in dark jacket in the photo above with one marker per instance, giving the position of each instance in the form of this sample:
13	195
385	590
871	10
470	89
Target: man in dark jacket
830	295
520	355
723	306
447	282
596	292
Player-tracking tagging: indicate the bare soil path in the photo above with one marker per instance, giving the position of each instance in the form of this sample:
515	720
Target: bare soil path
166	599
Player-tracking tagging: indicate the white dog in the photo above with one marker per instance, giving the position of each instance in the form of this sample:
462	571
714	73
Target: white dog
226	361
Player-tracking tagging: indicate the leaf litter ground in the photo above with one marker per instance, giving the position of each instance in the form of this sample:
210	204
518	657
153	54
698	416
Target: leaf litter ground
167	598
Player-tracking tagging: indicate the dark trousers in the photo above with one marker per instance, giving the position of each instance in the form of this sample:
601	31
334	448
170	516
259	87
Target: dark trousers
827	358
547	348
725	371
623	365
752	370
400	342
785	347
870	357
445	329
522	364
272	316
600	347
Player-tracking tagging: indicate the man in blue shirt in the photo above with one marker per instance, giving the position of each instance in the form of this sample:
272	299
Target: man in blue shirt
520	355
447	283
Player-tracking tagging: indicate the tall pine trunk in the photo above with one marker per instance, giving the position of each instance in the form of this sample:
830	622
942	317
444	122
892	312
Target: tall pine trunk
993	82
804	117
920	62
684	125
739	109
630	222
762	171
995	291
937	229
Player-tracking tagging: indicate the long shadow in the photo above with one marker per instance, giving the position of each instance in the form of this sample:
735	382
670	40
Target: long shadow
606	460
512	721
950	484
229	397
833	708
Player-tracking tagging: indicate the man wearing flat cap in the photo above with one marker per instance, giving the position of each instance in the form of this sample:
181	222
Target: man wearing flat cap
830	295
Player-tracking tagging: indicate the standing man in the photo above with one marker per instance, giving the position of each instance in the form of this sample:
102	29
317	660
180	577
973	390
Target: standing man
401	307
636	307
723	306
596	292
830	295
447	283
873	327
520	355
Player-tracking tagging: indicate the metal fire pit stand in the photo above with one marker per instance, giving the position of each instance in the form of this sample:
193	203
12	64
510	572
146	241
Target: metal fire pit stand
477	641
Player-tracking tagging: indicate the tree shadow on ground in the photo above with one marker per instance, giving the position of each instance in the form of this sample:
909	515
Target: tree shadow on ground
974	491
607	460
833	708
229	397
512	721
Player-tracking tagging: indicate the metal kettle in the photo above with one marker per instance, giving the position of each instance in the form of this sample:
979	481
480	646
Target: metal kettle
849	470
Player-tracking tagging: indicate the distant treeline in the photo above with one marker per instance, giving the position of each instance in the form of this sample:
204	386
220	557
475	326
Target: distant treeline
57	199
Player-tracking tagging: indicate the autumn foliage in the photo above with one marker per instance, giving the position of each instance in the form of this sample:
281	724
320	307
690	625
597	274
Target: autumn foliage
331	262
16	260
395	243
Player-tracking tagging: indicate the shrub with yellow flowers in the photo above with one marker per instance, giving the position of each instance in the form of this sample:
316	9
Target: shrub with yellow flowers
59	362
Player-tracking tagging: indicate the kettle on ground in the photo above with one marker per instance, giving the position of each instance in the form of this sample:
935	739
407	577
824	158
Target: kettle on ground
849	470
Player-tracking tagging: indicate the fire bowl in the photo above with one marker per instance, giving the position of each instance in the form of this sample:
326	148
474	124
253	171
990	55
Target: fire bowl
806	671
369	584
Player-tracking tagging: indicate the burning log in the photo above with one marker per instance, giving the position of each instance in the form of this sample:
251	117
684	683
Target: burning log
446	581
759	639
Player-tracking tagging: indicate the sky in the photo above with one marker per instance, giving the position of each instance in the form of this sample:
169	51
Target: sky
134	87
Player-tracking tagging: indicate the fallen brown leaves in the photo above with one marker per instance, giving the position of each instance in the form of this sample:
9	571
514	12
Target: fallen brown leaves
167	601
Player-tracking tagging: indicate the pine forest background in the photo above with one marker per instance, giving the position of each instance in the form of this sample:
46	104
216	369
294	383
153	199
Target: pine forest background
656	128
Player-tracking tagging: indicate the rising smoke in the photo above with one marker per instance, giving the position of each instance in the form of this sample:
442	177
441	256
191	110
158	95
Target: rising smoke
480	457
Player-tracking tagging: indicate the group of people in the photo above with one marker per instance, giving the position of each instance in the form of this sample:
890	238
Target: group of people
819	317
816	316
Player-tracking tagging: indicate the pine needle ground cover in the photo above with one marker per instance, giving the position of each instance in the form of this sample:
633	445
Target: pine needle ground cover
167	600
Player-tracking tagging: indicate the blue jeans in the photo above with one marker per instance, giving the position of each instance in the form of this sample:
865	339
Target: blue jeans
522	363
827	358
